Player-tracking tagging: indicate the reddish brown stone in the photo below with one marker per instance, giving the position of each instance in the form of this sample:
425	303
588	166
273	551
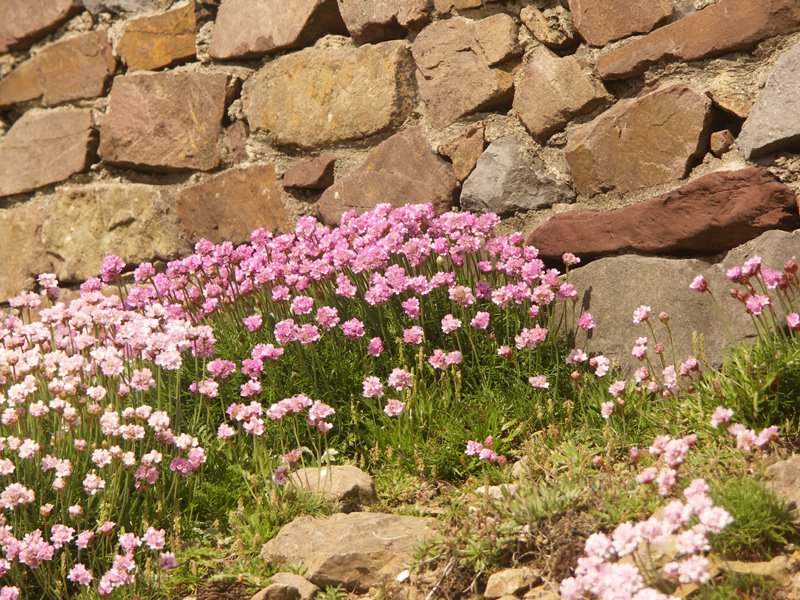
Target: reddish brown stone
164	121
70	69
724	27
314	174
158	41
709	215
45	147
234	142
229	206
377	20
602	21
249	28
25	21
398	171
552	27
24	256
444	7
640	142
465	150
721	142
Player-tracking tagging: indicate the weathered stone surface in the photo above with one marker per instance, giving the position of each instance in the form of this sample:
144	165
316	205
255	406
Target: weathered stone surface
287	586
640	142
779	569
314	174
774	121
70	69
344	483
45	147
164	121
458	66
726	26
510	582
234	141
357	550
465	150
378	20
159	41
505	181
602	21
400	170
86	223
552	27
123	6
551	91
25	21
721	142
21	246
322	95
444	7
783	479
230	205
248	28
498	492
709	215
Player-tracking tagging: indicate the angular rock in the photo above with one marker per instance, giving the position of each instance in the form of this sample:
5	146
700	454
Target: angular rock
356	550
21	247
84	224
779	569
726	26
400	170
721	142
25	21
249	28
314	174
498	492
70	69
465	150
774	121
505	181
511	582
123	6
711	214
45	147
164	121
552	27
459	66
602	21
370	21
159	41
287	586
234	141
343	483
640	142
230	205
445	7
551	91
323	95
783	479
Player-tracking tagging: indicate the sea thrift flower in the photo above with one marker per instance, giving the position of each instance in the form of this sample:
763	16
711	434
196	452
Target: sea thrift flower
607	409
450	324
600	364
167	561
793	321
413	335
641	314
111	268
373	388
394	408
586	321
411	307
480	320
375	347
721	416
530	338
353	329
80	575
252	323
756	304
399	379
539	382
699	284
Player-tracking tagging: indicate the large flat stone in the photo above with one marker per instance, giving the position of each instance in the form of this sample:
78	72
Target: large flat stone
249	28
463	66
45	147
774	121
21	247
709	215
400	170
160	40
70	69
377	20
726	26
357	550
319	96
25	21
84	224
164	121
640	142
602	21
229	206
551	91
505	181
343	483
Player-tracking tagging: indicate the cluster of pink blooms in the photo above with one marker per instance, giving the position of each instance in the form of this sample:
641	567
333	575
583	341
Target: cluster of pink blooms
746	439
484	451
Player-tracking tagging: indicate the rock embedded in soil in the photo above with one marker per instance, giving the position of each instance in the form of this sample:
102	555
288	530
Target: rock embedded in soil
783	479
727	26
160	40
231	204
25	21
45	147
553	27
287	586
465	150
400	170
640	142
356	550
774	120
721	142
250	28
511	582
343	483
370	21
164	121
70	69
505	181
602	21
314	174
324	95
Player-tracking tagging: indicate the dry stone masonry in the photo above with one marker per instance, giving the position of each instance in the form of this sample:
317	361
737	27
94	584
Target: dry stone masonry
601	127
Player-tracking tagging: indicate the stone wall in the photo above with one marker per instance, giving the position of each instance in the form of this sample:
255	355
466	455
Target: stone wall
660	127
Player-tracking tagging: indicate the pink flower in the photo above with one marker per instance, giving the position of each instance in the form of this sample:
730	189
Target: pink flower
394	408
450	324
586	321
641	314
302	305
648	475
327	317
793	321
111	268
756	304
375	347
80	575
399	379
411	307
569	259
167	561
699	284
505	352
607	409
413	335
473	448
353	329
154	538
373	388
221	368
438	359
530	338
225	432
539	382
601	365
480	320
616	388
721	416
253	323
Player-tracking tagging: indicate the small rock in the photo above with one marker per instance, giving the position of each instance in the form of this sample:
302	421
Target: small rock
345	483
779	569
465	150
158	41
379	20
553	27
445	7
314	174
542	592
25	21
123	6
504	181
783	479
234	141
510	582
287	586
498	492
602	21
721	142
